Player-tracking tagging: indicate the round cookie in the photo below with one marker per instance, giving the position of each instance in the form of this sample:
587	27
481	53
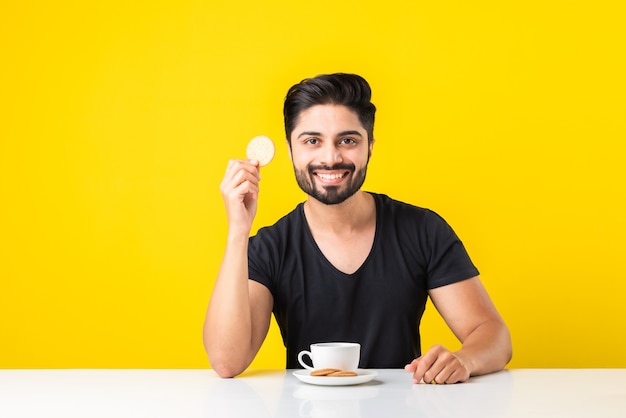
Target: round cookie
260	148
324	372
342	373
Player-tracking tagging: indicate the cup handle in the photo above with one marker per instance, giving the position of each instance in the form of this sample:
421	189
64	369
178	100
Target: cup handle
301	361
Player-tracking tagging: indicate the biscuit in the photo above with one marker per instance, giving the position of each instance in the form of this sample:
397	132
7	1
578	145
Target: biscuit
324	372
260	148
342	373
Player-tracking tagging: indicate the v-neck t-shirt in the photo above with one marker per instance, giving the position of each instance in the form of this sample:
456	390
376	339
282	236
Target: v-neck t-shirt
381	304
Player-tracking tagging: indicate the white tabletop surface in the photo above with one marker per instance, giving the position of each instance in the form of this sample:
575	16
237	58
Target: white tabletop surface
201	393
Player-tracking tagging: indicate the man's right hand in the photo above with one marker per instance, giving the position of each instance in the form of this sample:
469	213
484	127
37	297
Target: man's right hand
240	191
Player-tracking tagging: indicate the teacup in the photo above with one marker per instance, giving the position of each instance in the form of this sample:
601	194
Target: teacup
339	355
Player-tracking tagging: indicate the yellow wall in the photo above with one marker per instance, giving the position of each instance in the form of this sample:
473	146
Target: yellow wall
117	118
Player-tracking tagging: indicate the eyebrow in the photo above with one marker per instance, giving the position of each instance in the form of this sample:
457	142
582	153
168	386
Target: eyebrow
344	133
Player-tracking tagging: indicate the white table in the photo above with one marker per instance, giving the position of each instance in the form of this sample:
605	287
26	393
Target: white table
200	393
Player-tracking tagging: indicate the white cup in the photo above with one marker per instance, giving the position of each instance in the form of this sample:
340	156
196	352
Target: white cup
342	356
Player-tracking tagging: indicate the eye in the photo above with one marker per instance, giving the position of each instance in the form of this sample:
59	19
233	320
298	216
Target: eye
348	141
312	141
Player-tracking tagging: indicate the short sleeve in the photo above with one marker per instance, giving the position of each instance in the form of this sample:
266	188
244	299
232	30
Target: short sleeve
448	260
261	259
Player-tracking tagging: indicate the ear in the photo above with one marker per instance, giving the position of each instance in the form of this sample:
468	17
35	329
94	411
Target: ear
371	148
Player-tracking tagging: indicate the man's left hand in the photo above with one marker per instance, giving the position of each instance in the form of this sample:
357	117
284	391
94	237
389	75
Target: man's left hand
439	365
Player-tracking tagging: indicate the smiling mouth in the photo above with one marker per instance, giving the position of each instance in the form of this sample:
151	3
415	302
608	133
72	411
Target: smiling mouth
333	176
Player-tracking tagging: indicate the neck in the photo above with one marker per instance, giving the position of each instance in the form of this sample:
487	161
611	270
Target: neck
354	213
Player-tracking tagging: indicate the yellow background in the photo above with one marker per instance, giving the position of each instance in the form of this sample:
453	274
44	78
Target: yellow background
117	119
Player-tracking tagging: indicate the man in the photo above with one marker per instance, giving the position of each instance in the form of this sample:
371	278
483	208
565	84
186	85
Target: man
345	265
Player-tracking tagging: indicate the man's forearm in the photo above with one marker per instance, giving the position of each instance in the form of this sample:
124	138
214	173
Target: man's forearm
487	349
228	324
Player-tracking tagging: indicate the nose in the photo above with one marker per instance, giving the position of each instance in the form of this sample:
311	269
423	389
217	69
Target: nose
331	155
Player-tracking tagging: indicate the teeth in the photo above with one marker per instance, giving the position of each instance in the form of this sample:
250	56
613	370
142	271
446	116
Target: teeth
330	176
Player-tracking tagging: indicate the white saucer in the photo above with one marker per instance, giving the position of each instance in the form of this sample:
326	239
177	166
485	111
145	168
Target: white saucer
362	377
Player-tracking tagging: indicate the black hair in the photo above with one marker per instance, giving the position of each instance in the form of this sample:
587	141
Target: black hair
349	90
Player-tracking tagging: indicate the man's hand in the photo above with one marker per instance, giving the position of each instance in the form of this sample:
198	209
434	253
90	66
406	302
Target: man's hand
240	190
438	365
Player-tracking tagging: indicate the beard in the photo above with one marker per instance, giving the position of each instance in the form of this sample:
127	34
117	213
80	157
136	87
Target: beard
330	195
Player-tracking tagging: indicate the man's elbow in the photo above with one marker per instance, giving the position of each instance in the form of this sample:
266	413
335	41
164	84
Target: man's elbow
225	367
225	371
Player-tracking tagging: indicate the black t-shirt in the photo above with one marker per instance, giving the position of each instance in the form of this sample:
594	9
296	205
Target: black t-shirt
380	305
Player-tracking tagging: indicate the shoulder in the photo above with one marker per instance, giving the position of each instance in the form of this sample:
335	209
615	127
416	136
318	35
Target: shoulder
283	228
393	209
269	246
411	222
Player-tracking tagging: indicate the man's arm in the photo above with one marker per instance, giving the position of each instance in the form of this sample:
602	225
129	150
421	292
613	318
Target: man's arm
239	311
237	319
472	317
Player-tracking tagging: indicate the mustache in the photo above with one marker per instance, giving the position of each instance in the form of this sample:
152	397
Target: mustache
349	167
